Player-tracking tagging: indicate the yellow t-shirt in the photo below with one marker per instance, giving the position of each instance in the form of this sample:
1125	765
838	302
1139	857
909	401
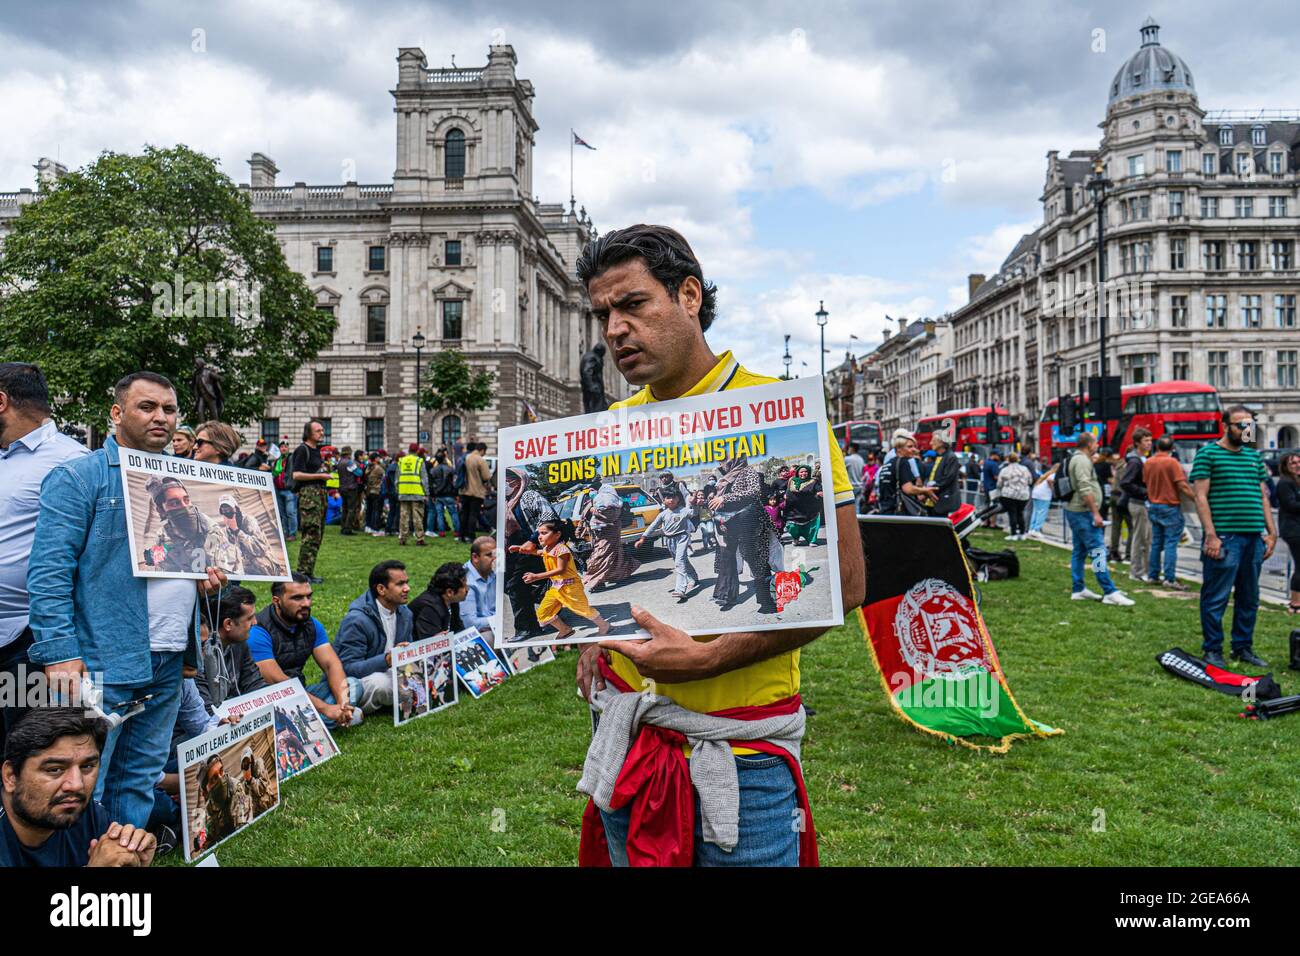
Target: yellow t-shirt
765	681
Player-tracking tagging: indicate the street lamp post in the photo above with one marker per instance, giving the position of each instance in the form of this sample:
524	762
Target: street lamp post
418	341
1098	185
787	359
822	316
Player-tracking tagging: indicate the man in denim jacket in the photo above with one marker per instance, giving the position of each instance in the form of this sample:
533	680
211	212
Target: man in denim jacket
91	615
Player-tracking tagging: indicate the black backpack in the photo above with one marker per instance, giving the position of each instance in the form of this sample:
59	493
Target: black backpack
1062	486
992	565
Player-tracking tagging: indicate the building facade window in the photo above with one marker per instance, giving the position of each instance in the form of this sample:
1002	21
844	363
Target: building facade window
1244	207
1251	311
1176	206
324	258
1257	136
320	382
1178	253
1248	255
1216	309
377	259
451	254
1209	207
1280	253
1252	368
452	311
328	425
455	158
327	309
1174	160
1245	165
1286	368
374	429
450	430
1178	311
1209	164
1275	164
1137	165
1217	367
1225	136
1276	206
1212	255
374	382
1138	369
376	324
271	431
1182	366
1284	310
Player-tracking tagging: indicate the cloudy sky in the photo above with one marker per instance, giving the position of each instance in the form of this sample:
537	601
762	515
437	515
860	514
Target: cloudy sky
868	154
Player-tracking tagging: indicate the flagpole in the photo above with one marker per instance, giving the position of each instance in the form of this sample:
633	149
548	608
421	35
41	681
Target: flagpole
570	168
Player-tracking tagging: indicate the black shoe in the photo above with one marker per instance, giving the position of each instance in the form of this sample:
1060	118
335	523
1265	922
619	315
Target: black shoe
1215	658
1249	657
315	580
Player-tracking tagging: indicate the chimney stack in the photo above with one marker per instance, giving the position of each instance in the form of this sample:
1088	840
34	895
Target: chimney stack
973	282
888	333
902	326
262	171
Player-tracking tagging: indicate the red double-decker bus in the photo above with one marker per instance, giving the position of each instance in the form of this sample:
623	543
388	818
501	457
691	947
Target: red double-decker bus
967	429
865	434
1188	412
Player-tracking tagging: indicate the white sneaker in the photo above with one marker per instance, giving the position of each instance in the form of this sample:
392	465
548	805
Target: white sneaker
1011	537
1085	595
1036	535
1118	598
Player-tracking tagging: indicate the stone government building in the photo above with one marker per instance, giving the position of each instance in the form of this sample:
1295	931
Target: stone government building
456	247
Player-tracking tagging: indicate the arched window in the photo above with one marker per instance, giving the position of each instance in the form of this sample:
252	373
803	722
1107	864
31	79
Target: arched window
450	430
455	154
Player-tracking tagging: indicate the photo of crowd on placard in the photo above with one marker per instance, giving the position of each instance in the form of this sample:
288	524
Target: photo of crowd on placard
698	546
476	665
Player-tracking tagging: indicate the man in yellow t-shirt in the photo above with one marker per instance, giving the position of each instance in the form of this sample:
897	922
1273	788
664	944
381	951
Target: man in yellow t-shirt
647	289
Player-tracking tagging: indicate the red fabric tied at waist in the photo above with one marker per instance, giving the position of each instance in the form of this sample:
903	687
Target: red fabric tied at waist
656	781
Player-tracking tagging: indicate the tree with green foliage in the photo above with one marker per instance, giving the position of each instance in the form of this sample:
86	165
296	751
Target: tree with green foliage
147	262
451	384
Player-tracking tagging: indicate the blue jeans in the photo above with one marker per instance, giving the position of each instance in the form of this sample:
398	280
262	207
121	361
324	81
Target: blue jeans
769	819
1166	528
1038	517
137	749
288	511
1238	569
439	521
1089	543
322	690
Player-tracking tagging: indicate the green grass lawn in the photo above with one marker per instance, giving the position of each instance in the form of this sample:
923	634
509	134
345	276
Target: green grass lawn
1151	770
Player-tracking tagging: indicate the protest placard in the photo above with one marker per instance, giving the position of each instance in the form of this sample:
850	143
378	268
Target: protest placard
715	513
423	682
476	665
184	516
302	740
227	780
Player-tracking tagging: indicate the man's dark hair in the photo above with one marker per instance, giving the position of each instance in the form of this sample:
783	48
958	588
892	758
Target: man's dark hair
306	429
42	727
25	386
277	589
229	603
475	548
379	573
1234	409
126	381
441	456
1164	443
666	253
853	448
448	577
1140	433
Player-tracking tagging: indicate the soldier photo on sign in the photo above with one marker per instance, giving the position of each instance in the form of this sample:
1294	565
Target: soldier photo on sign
184	516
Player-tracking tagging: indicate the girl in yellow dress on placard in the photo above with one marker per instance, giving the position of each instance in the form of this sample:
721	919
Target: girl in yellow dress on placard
566	584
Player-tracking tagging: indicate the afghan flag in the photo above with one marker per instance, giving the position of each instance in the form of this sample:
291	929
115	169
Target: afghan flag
928	640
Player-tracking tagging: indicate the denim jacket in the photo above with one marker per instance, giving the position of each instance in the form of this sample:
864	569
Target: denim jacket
86	602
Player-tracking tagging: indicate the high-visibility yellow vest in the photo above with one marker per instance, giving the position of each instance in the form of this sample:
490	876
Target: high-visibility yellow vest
408	476
332	482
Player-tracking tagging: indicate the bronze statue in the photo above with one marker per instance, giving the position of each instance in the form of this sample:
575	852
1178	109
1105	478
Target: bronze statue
592	373
208	398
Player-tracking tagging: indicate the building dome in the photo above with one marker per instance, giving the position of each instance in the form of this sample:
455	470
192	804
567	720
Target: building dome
1151	68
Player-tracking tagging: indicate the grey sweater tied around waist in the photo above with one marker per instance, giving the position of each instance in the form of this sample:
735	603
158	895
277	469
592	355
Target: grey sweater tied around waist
712	765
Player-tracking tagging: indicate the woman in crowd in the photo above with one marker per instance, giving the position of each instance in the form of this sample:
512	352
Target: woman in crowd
803	506
608	563
1288	506
215	442
1041	496
1013	486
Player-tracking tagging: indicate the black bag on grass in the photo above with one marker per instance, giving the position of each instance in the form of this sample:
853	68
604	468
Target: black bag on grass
992	565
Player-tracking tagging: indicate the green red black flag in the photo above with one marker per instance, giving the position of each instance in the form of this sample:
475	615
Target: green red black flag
928	639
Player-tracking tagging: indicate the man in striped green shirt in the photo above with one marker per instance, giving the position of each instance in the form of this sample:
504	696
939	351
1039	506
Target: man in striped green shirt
1231	486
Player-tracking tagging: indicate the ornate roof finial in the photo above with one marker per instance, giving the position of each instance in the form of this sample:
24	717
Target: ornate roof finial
1150	32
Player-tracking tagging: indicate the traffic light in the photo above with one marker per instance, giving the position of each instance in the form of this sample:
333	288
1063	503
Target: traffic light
1104	398
992	433
1069	414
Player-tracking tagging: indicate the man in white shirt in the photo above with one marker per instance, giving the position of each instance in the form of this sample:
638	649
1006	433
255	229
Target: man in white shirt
30	446
480	604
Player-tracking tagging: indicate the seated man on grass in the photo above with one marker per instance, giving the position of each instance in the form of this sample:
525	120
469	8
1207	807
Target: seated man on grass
376	622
